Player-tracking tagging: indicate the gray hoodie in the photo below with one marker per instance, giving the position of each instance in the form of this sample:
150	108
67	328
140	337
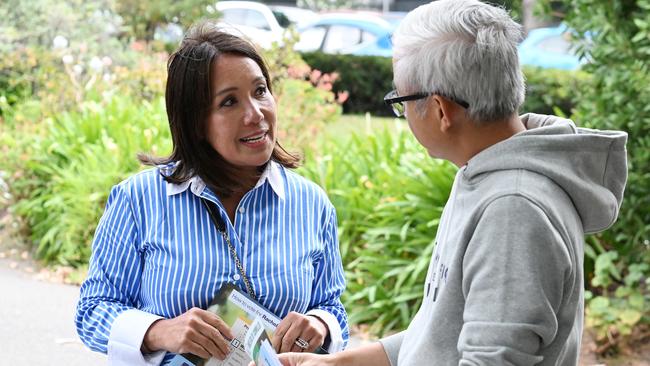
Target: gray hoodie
505	282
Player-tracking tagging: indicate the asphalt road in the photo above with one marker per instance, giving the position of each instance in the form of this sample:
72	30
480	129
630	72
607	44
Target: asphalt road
36	322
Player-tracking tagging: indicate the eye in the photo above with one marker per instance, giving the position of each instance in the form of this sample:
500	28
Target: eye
261	91
227	102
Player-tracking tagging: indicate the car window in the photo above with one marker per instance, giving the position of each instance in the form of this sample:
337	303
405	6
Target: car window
341	37
234	16
256	19
310	39
282	19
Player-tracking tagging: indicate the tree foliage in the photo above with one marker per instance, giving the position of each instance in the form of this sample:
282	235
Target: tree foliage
615	38
143	16
39	22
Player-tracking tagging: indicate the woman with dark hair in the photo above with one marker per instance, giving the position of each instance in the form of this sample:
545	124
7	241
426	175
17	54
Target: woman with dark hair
222	208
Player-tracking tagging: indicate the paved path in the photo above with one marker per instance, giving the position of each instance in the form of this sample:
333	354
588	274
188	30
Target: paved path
36	322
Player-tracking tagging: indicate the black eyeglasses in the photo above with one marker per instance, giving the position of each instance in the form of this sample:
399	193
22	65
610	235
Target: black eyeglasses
396	102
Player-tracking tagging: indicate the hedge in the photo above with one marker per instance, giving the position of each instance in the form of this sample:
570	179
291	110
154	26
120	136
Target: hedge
369	78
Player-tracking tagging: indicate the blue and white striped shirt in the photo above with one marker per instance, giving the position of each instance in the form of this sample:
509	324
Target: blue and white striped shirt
157	254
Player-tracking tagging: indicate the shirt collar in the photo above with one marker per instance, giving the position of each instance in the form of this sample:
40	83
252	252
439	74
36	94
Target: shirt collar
272	173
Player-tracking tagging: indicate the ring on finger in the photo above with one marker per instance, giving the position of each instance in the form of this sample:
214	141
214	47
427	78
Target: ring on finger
301	343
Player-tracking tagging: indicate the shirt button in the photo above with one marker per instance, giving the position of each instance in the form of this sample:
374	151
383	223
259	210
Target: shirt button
236	277
242	210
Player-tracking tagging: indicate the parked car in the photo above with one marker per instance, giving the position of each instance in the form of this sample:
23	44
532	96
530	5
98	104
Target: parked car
394	17
298	17
347	33
253	20
549	48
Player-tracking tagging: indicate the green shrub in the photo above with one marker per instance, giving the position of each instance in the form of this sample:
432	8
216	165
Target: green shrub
63	172
389	196
369	78
552	91
366	78
617	97
306	103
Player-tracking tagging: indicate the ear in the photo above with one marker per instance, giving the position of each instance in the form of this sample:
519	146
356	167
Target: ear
444	110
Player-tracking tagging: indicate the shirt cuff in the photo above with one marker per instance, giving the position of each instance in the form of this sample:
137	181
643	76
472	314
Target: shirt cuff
336	336
125	340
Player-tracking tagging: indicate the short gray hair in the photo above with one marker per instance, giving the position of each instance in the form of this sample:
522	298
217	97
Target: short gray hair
462	49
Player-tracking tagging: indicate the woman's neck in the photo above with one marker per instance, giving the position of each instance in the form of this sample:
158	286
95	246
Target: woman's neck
247	180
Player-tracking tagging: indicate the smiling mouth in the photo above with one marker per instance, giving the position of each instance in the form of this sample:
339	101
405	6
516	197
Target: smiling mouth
254	138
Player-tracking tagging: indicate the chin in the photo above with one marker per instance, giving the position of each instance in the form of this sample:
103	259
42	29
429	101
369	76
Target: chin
260	161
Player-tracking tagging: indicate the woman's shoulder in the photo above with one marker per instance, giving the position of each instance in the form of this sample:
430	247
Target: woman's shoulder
301	185
145	181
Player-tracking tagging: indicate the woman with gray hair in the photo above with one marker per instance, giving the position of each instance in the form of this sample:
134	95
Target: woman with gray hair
505	281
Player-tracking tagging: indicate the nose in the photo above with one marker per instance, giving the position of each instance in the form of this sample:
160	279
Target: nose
253	113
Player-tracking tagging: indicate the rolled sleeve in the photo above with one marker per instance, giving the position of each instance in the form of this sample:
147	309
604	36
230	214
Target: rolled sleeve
125	341
336	335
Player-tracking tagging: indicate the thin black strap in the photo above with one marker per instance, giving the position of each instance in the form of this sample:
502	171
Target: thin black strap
221	228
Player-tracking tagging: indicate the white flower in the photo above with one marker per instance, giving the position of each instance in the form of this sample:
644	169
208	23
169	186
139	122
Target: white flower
78	69
67	59
96	64
59	42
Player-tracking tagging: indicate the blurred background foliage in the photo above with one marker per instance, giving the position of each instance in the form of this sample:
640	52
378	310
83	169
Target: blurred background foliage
79	99
142	17
387	192
617	96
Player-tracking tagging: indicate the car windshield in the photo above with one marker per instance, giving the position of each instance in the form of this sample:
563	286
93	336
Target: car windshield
282	19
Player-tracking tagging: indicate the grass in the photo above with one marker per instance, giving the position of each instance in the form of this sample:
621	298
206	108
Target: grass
350	123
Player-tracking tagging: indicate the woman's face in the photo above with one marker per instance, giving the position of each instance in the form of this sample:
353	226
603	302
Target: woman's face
241	121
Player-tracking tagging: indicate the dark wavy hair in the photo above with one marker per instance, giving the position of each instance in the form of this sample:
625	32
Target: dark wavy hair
188	98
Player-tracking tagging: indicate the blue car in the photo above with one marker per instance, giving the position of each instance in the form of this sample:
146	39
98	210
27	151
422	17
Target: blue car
549	48
347	33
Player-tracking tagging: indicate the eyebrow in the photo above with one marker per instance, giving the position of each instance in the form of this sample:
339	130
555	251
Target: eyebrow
227	90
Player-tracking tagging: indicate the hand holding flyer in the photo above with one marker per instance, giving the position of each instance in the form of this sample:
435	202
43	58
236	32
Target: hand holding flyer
251	325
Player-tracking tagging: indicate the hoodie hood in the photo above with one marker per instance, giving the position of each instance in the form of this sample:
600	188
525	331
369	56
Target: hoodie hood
589	165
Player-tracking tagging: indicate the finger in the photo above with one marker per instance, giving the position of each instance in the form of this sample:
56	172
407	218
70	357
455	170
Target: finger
212	339
313	337
196	349
291	359
312	344
213	328
308	333
211	346
215	321
290	337
288	359
282	328
295	348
